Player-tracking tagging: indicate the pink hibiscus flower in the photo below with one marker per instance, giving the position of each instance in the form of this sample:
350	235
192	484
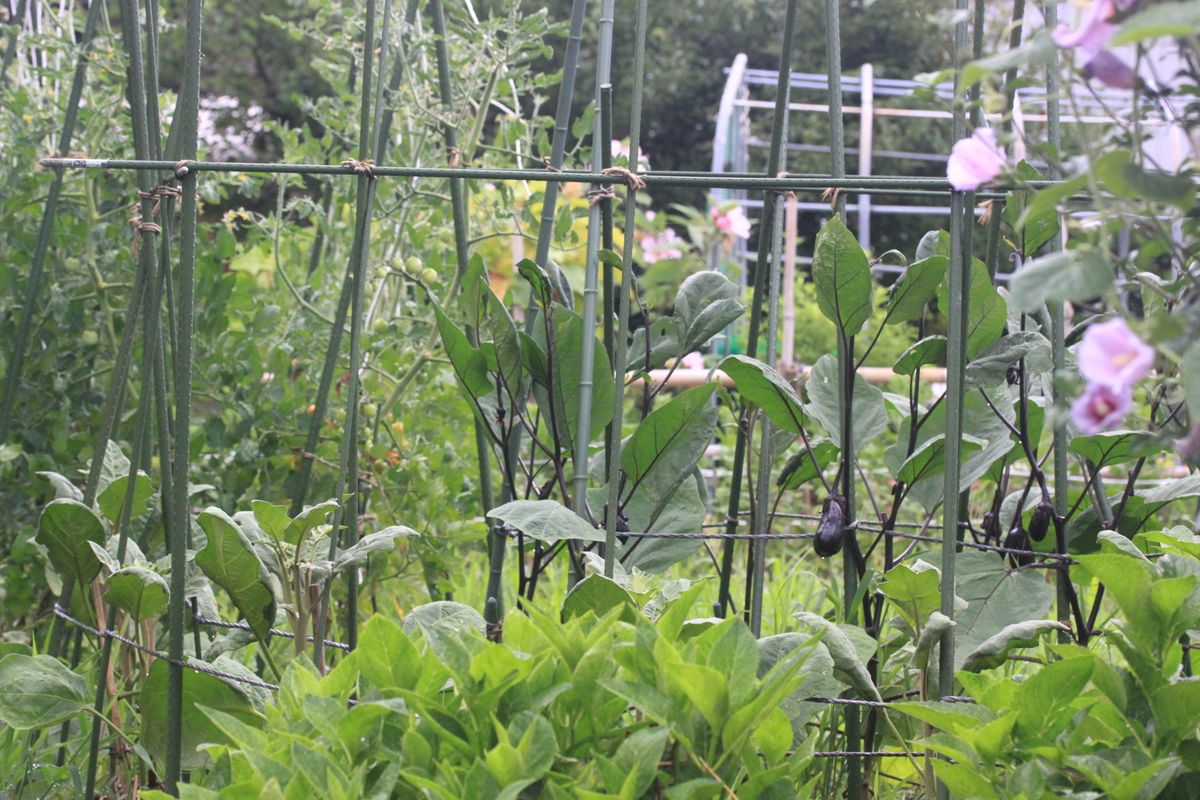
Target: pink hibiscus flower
1112	355
1101	407
975	161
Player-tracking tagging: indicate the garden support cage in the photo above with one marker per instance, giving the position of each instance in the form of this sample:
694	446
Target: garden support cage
162	300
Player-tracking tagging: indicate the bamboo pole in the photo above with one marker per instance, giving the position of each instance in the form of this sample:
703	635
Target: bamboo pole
623	299
591	289
20	343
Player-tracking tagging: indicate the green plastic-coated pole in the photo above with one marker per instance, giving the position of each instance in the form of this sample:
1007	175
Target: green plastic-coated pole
774	160
347	509
956	363
10	50
562	125
591	281
624	301
766	454
20	343
1058	346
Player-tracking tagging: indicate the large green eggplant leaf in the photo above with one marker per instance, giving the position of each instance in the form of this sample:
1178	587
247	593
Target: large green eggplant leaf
916	287
842	277
705	304
763	386
66	529
996	598
39	691
140	592
546	520
667	445
870	416
229	560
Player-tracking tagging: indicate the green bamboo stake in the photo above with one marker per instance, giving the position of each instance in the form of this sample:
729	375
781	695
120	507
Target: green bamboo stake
347	509
847	372
774	160
1058	341
766	454
494	602
956	363
621	343
606	216
562	125
10	51
20	343
591	288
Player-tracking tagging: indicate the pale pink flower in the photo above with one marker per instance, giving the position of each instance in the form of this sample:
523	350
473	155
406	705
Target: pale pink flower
975	161
1101	407
664	246
733	221
692	360
1112	355
620	150
1091	40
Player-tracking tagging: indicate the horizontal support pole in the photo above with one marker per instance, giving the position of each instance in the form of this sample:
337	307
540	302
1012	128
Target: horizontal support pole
793	183
687	378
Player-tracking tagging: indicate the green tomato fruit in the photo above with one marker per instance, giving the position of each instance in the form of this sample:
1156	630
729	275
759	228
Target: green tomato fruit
90	337
379	326
370	410
429	275
413	265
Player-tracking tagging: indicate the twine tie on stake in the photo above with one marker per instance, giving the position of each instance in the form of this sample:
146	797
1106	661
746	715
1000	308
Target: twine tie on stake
549	165
600	192
831	194
634	181
788	193
140	228
182	167
364	167
455	156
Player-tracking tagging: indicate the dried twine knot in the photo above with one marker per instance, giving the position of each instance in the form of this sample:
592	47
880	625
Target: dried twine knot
364	167
986	208
455	156
599	193
831	194
182	168
549	166
634	181
788	193
158	194
140	226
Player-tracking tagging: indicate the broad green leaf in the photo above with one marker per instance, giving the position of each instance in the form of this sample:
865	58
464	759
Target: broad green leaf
114	465
1171	490
1161	19
1069	275
63	487
993	651
991	365
916	287
140	592
705	304
229	560
930	636
1044	202
929	459
303	524
638	758
444	616
565	370
842	277
987	313
666	342
667	445
66	529
801	467
682	513
538	279
200	691
870	416
498	328
469	363
1035	51
596	594
1050	690
763	386
1031	231
705	689
916	593
1121	176
996	598
1109	448
930	350
1176	709
546	521
845	656
112	498
272	519
356	555
39	691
